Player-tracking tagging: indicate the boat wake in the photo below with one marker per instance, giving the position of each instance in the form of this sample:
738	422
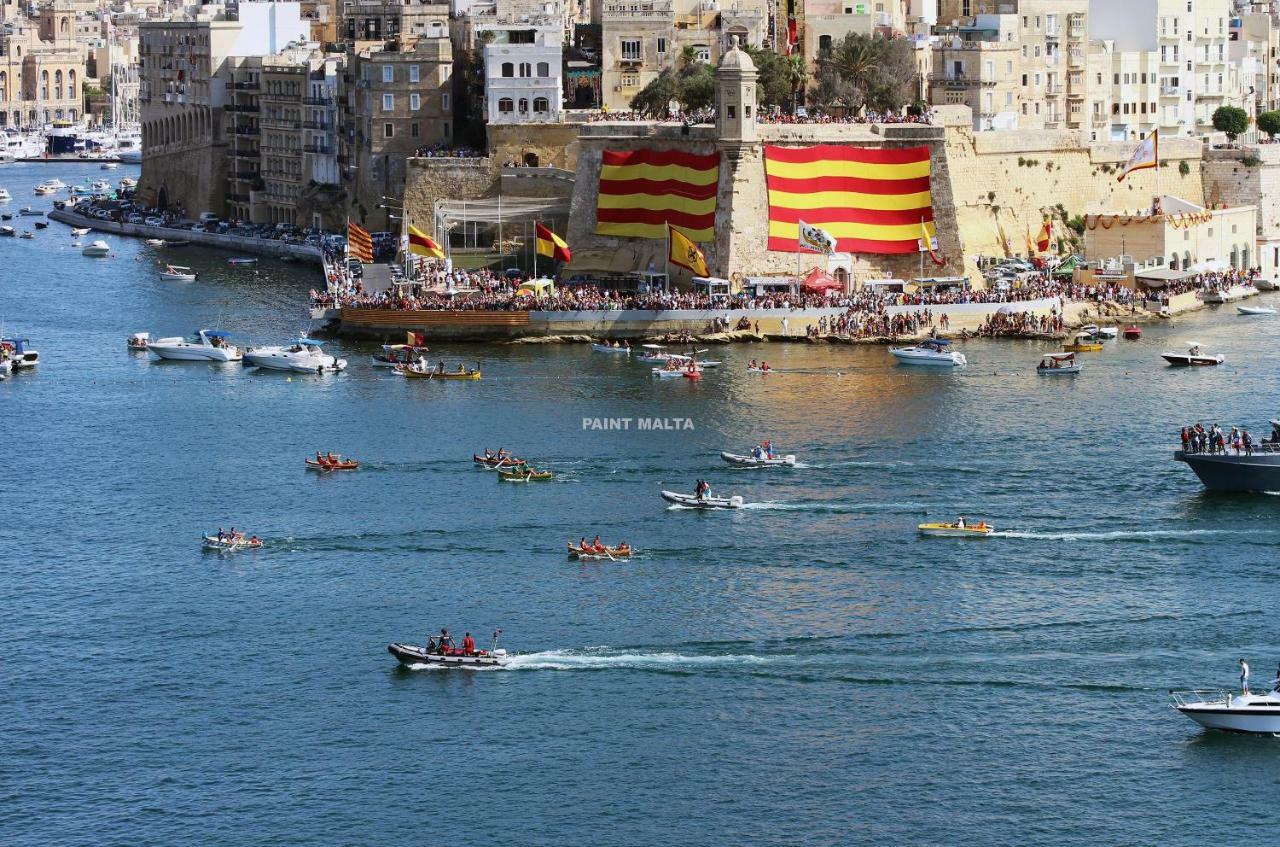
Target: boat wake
1139	535
603	658
839	508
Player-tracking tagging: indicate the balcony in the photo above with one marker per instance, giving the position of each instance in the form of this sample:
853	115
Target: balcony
1053	89
1169	91
245	130
246	154
320	149
317	101
245	86
954	80
248	110
277	123
317	125
1101	121
238	198
246	175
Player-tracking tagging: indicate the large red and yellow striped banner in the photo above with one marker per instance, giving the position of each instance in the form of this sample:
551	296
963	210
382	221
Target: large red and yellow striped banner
872	200
642	191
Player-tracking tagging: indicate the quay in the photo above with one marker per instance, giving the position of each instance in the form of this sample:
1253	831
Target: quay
234	243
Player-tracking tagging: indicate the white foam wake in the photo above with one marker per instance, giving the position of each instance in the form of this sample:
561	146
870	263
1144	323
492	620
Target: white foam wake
1113	535
576	660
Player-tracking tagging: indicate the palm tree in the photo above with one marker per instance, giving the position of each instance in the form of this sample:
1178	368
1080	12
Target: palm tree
796	72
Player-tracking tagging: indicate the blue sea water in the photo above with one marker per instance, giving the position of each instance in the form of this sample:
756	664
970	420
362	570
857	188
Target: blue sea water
805	671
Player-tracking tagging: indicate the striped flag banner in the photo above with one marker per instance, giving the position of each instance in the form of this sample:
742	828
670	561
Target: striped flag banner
642	191
872	200
359	242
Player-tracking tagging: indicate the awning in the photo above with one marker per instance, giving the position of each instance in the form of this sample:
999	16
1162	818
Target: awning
622	260
819	281
1157	277
537	285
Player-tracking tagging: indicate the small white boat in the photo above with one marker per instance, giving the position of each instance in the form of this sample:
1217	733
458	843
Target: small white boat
1193	357
1255	310
110	166
154	242
932	351
16	352
653	354
605	348
303	356
49	186
178	273
5	197
138	341
77	232
409	655
741	461
30	212
694	502
1105	332
27	234
1221	710
207	345
97	249
1055	364
241	261
8	231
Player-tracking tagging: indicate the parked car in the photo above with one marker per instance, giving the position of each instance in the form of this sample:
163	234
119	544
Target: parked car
154	220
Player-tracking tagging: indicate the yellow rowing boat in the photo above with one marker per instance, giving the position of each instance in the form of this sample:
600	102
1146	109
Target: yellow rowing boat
955	530
471	375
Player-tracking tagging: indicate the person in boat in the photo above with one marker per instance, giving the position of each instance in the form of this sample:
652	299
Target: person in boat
440	367
702	490
332	459
445	644
757	452
1244	676
468	645
583	547
597	546
222	536
768	449
692	367
431	645
461	369
753	366
961	523
624	548
253	539
625	345
764	366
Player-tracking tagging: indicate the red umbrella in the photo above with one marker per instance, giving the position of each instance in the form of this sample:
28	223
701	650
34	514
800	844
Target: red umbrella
819	281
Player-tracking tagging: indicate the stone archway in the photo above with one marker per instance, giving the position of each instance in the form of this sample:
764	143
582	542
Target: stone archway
162	198
531	160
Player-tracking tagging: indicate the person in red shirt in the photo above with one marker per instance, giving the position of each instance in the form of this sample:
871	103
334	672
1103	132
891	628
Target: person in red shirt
468	645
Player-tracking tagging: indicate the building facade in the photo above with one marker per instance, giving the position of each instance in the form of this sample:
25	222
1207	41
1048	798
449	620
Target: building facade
523	69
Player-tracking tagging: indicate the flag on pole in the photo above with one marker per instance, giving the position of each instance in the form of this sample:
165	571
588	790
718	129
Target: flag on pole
816	239
359	242
1045	236
685	253
929	243
550	244
421	244
1147	155
1031	244
415	339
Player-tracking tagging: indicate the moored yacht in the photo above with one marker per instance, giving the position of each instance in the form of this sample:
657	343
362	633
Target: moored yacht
1244	712
303	356
931	351
5	197
207	345
97	249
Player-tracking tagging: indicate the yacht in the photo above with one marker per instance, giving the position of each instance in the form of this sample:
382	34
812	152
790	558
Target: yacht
18	354
1244	712
97	249
1193	357
50	186
207	345
303	356
931	351
1256	470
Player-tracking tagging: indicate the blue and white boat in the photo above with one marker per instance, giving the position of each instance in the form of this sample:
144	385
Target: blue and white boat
17	352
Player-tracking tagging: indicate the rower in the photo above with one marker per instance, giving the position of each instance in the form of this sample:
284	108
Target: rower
222	536
960	524
752	366
254	540
468	645
597	546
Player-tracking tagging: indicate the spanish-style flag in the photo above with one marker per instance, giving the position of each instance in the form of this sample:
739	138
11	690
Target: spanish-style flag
686	254
421	244
1045	237
872	200
359	242
1147	155
644	191
929	242
550	244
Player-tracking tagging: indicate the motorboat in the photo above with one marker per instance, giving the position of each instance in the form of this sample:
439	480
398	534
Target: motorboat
110	166
932	351
737	460
7	232
178	273
1264	284
398	354
1084	342
207	345
17	352
1222	710
303	356
241	261
5	196
605	348
100	186
1104	332
692	501
589	553
959	529
42	224
1256	470
653	354
127	182
31	212
1052	364
701	363
49	186
154	242
228	545
1193	357
1133	332
26	233
97	249
411	655
676	373
1255	310
138	341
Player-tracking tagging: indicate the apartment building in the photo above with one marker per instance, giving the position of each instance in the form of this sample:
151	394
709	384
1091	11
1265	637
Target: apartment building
40	81
1254	46
523	69
823	23
370	24
976	64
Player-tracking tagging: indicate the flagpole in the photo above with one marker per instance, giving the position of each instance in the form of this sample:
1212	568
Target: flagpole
535	248
666	261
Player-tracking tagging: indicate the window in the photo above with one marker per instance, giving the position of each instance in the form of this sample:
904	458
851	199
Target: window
526	70
746	111
413	130
415	102
544	69
631	48
508	69
630	80
388	130
506	104
824	44
662	45
540	105
413	73
730	112
388	73
388	102
444	102
524	106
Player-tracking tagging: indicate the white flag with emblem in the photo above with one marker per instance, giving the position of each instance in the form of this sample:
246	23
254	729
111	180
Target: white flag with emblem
816	239
1146	156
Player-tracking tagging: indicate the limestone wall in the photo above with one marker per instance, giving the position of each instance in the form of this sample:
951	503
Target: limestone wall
430	180
549	145
196	178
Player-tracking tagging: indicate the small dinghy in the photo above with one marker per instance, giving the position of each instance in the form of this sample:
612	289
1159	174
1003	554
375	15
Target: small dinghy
1133	332
1058	364
411	654
77	232
45	225
213	542
956	530
150	242
694	502
1255	310
524	474
605	348
762	462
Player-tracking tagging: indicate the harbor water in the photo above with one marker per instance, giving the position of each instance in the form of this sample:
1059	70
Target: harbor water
807	670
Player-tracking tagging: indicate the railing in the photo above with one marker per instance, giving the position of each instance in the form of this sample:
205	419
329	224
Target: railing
1200	696
243	109
246	130
322	149
316	125
317	101
245	86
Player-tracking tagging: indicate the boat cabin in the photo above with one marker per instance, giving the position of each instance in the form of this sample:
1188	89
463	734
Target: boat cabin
1057	361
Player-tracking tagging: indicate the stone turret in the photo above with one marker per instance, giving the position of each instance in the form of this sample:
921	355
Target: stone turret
736	97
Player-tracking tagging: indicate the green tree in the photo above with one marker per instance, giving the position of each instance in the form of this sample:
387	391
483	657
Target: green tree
1269	122
654	100
1231	120
866	72
691	84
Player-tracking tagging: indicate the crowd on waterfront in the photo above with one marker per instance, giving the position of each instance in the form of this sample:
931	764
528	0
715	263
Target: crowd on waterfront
865	118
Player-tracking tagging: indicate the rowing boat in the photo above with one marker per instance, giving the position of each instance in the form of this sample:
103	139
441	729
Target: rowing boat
498	463
605	348
588	554
951	530
212	542
752	462
326	465
694	502
416	374
528	474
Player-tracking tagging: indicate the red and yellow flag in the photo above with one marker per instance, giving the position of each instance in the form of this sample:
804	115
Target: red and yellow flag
872	200
642	192
421	244
686	254
359	242
550	244
1045	237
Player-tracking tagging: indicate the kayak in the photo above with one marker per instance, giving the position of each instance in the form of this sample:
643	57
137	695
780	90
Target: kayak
693	502
409	654
950	530
348	465
212	542
752	462
692	375
589	554
526	475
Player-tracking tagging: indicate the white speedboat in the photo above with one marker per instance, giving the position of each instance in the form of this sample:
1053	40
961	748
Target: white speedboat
1255	310
110	166
5	197
178	273
605	348
303	356
1055	364
207	345
18	354
154	242
100	186
692	501
97	249
665	373
1193	357
410	654
77	232
653	354
50	186
932	351
741	461
8	231
138	341
1251	713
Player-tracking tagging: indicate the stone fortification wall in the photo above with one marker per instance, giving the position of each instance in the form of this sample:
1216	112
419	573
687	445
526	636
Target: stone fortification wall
549	145
435	179
1228	180
196	179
